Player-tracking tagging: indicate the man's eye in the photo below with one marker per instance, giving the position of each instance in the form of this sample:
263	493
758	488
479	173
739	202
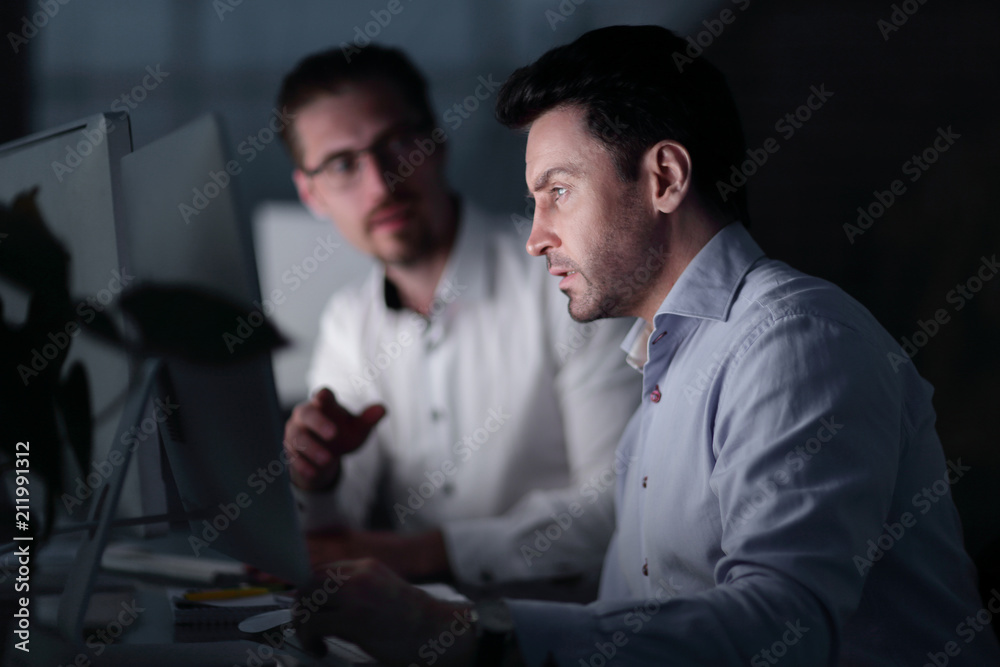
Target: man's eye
342	165
559	192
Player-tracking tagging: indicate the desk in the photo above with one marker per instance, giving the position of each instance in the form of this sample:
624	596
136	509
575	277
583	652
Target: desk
129	621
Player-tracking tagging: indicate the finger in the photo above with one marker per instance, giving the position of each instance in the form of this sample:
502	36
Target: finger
314	419
362	427
305	451
327	404
372	415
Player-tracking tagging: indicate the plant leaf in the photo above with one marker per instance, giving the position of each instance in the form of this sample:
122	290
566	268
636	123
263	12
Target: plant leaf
30	254
197	325
102	326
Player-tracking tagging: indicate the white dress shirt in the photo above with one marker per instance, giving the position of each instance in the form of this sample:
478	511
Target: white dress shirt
503	413
786	500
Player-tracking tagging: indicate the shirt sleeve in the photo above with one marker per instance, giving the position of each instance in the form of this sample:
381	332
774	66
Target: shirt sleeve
338	364
786	582
562	531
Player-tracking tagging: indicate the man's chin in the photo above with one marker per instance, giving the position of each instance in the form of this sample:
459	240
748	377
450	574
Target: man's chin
581	312
392	250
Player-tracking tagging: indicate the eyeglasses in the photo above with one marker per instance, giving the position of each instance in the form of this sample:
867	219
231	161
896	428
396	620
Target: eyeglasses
342	171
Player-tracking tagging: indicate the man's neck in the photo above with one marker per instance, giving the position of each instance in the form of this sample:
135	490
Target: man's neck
685	239
417	281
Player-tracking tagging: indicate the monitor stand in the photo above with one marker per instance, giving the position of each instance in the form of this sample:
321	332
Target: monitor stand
80	584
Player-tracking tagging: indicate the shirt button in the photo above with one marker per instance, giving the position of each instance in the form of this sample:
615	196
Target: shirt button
437	414
448	488
655	395
645	568
644	481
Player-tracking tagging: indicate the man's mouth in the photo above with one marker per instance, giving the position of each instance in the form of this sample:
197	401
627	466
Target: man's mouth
565	274
390	218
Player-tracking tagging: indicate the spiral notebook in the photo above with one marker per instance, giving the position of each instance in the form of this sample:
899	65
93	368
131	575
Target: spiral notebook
218	620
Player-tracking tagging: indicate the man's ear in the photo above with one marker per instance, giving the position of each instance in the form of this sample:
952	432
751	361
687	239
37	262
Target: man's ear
668	166
304	186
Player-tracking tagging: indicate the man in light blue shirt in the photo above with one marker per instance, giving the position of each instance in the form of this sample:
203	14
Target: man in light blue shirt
784	496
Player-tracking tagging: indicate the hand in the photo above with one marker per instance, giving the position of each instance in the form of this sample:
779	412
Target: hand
414	556
366	603
319	432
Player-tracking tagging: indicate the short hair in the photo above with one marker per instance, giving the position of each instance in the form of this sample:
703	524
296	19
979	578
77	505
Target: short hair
326	73
638	87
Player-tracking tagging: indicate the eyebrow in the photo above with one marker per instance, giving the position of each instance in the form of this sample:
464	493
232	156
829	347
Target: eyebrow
546	176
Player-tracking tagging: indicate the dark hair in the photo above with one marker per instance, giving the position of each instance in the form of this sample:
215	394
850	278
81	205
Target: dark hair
326	73
638	87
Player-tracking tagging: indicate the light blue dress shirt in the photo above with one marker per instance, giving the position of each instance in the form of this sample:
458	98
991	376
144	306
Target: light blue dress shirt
783	497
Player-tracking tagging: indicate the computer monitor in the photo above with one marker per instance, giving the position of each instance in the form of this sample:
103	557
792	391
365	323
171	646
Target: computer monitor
121	218
223	436
76	170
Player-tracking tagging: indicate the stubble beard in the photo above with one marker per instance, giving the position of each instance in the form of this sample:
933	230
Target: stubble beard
617	254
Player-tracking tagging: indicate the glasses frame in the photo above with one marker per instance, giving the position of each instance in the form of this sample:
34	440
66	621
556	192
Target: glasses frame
378	150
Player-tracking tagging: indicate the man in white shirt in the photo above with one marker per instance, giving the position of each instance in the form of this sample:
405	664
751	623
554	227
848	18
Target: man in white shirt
788	501
455	399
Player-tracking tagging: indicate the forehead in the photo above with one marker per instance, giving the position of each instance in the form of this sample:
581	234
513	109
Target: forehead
357	112
559	138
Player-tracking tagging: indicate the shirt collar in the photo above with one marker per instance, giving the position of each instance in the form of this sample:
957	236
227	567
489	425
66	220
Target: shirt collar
705	289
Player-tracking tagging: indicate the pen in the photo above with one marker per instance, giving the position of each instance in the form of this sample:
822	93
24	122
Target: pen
225	593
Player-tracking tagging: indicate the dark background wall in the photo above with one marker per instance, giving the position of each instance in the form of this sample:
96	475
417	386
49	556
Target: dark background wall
894	86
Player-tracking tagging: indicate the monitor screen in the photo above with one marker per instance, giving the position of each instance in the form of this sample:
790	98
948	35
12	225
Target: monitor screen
76	170
181	226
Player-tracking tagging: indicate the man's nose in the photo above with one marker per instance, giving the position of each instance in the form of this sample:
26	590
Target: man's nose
375	179
542	237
